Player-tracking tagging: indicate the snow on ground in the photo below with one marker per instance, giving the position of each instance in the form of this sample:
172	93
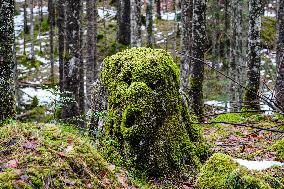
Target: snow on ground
258	165
106	13
45	96
270	13
168	15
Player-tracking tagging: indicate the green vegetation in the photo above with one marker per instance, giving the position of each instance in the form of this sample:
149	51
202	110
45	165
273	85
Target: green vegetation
33	155
147	118
279	149
222	172
268	32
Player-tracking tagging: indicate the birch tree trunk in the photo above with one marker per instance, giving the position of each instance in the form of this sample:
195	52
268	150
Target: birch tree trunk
7	64
253	73
198	49
135	20
32	54
279	88
149	23
123	22
92	67
186	39
51	36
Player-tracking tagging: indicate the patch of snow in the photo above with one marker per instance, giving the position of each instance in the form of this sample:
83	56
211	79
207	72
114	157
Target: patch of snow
258	165
106	13
215	103
45	96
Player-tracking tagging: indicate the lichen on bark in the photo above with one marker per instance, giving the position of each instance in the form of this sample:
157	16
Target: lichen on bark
146	113
7	64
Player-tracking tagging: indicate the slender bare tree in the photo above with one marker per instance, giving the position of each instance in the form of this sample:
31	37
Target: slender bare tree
186	38
32	53
253	73
198	50
149	23
123	22
135	20
279	87
7	64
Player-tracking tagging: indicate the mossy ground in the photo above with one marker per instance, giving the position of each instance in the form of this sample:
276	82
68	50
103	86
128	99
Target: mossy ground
46	155
222	172
244	142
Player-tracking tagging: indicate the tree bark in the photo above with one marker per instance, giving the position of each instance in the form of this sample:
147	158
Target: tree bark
92	66
158	4
25	24
71	110
61	39
32	54
279	88
51	36
135	20
253	73
186	39
149	23
123	22
236	54
198	50
7	64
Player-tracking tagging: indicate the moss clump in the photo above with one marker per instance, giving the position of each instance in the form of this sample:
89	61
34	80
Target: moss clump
268	32
278	147
222	172
215	172
32	155
146	114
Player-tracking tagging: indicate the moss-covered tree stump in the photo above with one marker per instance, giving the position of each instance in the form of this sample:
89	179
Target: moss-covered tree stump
146	113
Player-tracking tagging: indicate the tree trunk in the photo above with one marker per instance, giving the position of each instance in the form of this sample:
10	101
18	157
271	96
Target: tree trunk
216	35
40	23
135	20
279	88
253	73
236	54
149	23
70	110
198	50
61	39
226	31
158	4
123	22
7	64
51	35
186	39
81	95
25	25
32	54
91	65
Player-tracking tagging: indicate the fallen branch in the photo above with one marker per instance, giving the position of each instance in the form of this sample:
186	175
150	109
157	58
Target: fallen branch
241	125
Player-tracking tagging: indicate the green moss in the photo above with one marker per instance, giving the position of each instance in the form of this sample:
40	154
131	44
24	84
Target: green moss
222	172
146	113
24	60
278	147
215	172
230	117
268	32
49	152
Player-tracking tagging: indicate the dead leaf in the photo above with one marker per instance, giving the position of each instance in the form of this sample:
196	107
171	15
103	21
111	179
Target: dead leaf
12	164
